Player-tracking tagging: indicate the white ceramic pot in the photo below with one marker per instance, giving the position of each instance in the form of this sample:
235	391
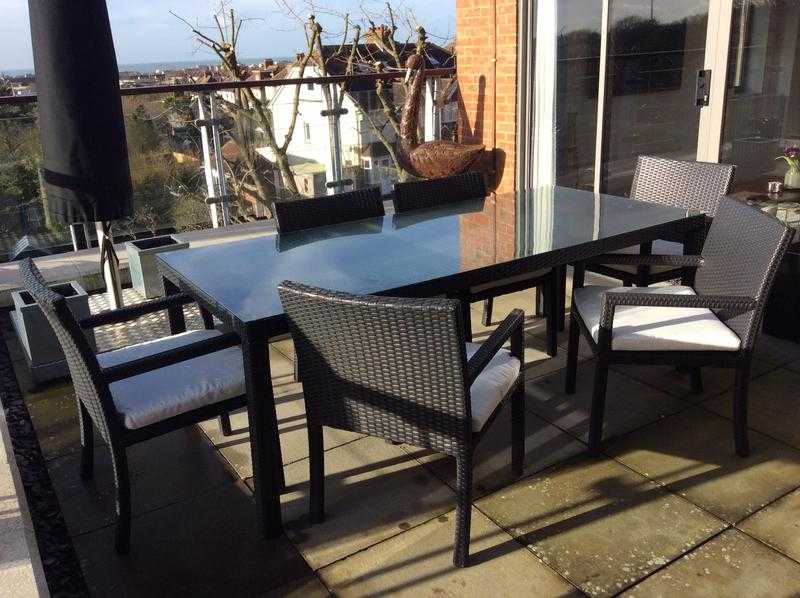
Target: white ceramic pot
792	179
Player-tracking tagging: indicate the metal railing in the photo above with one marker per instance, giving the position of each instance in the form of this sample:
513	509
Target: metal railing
198	159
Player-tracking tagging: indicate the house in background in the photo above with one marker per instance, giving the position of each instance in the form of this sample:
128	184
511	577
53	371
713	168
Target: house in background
364	157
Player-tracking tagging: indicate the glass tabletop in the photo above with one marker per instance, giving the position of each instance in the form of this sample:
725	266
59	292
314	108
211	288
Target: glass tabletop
400	250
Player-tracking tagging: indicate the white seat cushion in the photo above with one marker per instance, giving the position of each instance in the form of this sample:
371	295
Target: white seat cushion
166	392
660	247
507	281
638	328
492	384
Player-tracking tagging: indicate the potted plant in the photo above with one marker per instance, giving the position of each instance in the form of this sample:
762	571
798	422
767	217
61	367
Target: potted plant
39	343
791	155
142	263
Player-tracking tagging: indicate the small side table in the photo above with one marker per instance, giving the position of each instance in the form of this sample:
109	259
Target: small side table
782	317
785	207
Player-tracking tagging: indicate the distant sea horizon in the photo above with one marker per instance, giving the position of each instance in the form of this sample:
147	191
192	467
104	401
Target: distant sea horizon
149	67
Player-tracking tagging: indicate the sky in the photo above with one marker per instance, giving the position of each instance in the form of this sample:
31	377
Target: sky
145	31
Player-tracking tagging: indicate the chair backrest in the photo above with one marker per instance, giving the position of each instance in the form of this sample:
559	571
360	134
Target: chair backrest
742	254
697	186
416	195
300	214
388	367
90	388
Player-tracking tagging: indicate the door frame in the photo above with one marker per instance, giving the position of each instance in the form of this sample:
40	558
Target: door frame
718	41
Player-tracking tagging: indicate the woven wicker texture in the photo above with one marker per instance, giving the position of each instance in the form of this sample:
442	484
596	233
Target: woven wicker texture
430	193
90	388
394	368
697	186
299	214
742	253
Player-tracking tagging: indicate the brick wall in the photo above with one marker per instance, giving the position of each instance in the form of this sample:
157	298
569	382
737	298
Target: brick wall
486	46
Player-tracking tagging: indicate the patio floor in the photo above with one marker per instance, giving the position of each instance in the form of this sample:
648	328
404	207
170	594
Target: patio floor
667	509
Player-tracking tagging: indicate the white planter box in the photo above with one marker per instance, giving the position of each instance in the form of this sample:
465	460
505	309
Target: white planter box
39	343
142	263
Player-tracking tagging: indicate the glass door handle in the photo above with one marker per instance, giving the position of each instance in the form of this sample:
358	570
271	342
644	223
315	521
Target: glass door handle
702	95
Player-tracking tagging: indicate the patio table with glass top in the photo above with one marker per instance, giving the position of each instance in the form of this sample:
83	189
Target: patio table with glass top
428	252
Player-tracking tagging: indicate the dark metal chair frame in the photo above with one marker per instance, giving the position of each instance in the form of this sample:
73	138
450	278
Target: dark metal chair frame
416	195
734	274
300	214
95	405
397	369
695	186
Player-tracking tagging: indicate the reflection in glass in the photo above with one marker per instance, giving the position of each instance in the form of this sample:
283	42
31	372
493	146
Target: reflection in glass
655	49
577	77
762	109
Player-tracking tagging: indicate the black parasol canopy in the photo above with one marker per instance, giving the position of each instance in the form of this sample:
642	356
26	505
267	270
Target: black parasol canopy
85	165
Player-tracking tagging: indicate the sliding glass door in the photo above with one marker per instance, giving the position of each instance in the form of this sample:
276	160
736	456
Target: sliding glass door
602	82
762	104
656	48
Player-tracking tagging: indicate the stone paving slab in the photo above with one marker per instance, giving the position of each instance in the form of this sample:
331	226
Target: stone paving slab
667	378
373	490
307	587
545	445
600	525
165	470
778	524
19	564
629	404
207	546
732	564
291	425
692	454
419	562
772	406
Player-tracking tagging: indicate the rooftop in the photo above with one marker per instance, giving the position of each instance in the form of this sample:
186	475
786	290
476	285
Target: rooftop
666	508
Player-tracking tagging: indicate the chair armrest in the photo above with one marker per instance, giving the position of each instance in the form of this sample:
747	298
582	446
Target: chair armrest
170	357
613	300
131	312
510	328
636	259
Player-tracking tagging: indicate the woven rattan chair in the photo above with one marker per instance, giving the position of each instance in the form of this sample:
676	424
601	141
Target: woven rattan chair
417	195
696	186
136	393
432	193
400	369
715	323
300	214
303	214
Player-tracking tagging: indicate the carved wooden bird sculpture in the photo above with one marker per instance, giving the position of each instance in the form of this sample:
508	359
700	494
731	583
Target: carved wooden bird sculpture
433	159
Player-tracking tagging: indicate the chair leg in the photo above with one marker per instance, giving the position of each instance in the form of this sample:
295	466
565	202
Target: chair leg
488	304
696	380
123	535
572	353
466	318
598	406
224	421
740	392
552	293
87	442
562	299
538	303
316	459
518	431
463	509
